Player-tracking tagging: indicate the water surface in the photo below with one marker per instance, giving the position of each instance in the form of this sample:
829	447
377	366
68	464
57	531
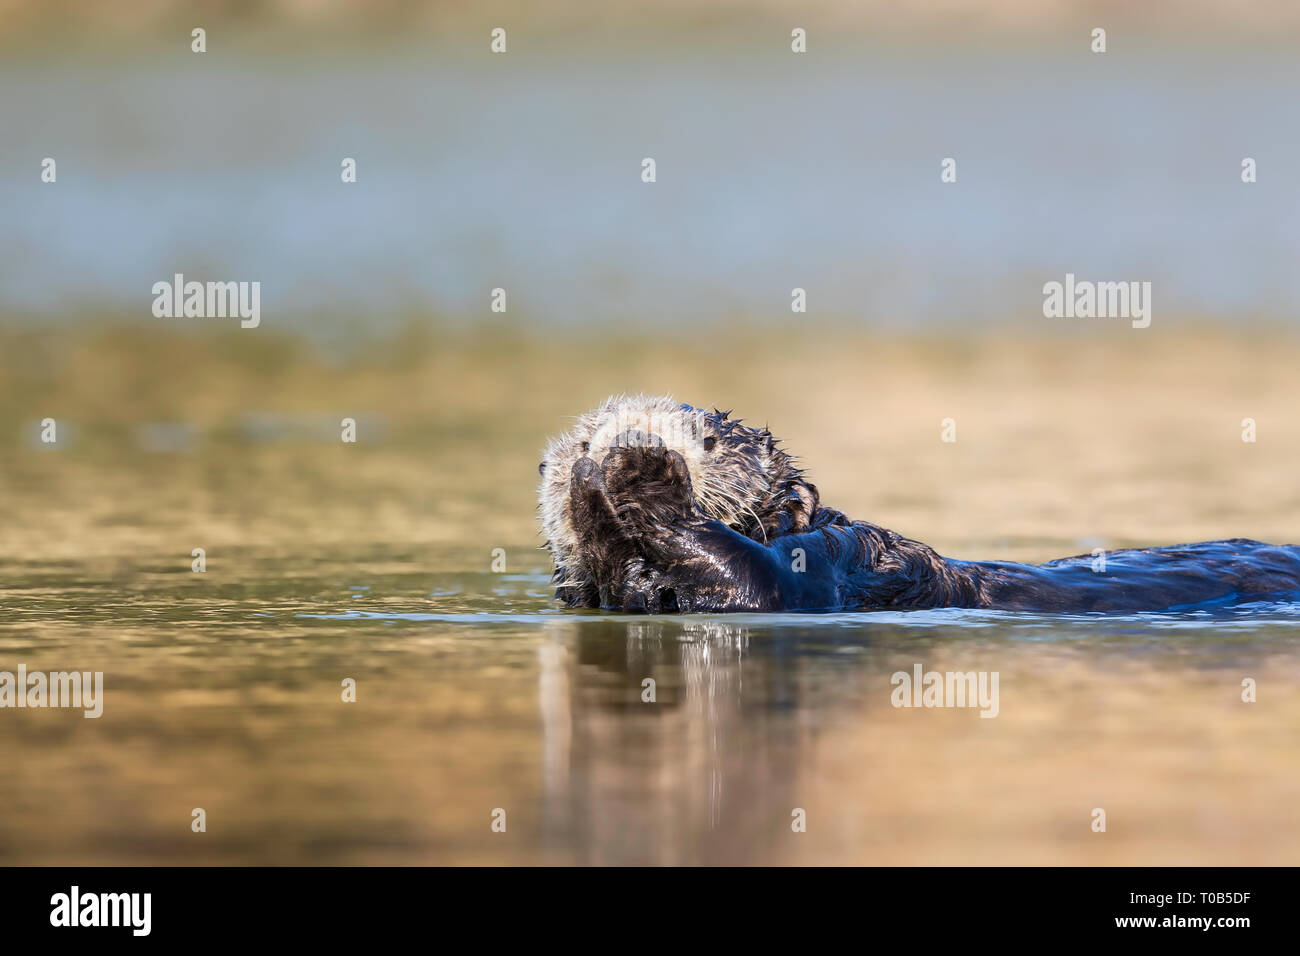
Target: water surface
475	693
774	171
374	561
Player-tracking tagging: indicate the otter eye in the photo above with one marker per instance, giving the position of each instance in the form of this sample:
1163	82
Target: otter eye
709	443
541	469
586	447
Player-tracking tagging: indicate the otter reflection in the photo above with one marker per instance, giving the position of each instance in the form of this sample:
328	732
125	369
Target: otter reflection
706	773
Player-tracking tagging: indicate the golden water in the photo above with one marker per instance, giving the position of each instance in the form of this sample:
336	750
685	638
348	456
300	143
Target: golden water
373	561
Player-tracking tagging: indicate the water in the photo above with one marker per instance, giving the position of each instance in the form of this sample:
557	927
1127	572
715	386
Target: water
475	693
327	561
774	171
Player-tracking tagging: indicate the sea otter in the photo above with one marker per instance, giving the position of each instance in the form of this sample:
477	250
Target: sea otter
648	505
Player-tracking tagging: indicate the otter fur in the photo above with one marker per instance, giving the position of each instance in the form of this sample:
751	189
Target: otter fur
653	506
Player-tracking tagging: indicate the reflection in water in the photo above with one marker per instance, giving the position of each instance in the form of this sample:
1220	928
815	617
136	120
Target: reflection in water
367	561
224	694
700	772
751	721
476	692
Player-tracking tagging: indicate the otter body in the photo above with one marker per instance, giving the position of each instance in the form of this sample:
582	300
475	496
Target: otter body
651	506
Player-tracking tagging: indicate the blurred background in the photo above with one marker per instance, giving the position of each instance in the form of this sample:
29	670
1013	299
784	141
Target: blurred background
522	171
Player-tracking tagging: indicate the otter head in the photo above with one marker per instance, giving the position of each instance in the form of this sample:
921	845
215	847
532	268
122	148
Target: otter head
738	474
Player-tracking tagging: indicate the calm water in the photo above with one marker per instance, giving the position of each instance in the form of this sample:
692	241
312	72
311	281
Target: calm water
371	562
774	171
474	693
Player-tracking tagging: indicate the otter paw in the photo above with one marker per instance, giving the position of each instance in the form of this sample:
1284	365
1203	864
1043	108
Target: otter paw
609	551
648	486
650	598
594	517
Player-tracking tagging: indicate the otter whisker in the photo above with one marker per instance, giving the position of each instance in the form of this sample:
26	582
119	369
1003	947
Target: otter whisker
744	481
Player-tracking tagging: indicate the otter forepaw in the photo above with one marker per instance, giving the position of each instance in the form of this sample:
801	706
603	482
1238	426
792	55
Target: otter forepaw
650	596
612	554
648	486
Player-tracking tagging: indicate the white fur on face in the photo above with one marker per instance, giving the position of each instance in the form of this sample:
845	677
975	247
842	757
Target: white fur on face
620	420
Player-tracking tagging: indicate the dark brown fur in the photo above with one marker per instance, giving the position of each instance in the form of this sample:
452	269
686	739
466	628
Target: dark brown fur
647	545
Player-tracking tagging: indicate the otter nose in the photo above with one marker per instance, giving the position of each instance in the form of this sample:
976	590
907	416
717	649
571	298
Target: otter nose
636	438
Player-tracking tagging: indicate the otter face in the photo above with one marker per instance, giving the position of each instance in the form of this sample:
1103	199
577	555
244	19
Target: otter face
738	474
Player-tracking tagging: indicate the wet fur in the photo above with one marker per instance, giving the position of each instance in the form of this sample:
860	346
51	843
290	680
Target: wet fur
641	524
